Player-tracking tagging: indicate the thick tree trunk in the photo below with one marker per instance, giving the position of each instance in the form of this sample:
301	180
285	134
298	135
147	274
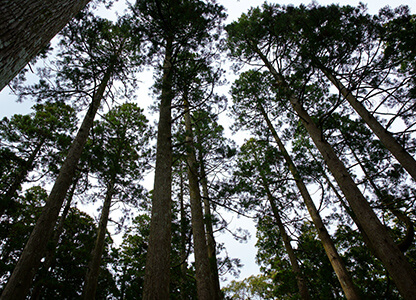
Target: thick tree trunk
204	278
26	28
350	290
401	271
19	283
157	273
91	280
398	151
211	245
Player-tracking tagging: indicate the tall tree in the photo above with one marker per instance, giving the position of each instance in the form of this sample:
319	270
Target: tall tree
172	27
26	29
121	150
96	56
252	89
251	45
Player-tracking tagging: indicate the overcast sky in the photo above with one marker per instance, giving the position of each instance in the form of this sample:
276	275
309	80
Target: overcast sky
246	252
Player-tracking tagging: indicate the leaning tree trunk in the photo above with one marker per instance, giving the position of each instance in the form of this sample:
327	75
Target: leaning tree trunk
398	151
20	281
300	279
348	286
50	254
211	245
204	278
91	280
393	259
182	250
156	281
26	28
399	268
20	177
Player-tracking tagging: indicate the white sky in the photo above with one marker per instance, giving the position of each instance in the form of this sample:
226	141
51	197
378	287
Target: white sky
246	252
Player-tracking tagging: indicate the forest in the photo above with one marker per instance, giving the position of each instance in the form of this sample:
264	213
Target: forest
325	97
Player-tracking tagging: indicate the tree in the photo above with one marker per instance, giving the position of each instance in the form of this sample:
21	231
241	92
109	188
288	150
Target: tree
27	28
252	45
121	150
172	27
90	66
249	87
38	140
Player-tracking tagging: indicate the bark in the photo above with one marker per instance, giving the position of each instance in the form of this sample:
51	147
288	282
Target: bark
349	288
393	259
211	245
204	278
397	150
26	28
91	281
50	255
19	283
156	282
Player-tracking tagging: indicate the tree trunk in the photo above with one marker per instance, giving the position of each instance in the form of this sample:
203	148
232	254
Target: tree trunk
300	279
380	240
19	283
204	278
182	252
350	290
398	151
401	271
156	281
20	177
91	280
211	245
50	255
26	28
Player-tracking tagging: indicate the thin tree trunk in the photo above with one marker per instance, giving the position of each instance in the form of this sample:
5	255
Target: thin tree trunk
157	273
211	245
183	253
50	255
20	177
204	278
398	151
26	28
91	280
393	259
19	283
300	279
349	288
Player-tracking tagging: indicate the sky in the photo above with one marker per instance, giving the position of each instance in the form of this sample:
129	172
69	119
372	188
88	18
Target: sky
246	252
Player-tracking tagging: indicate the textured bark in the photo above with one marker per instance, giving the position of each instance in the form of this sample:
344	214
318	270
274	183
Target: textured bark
50	255
26	28
156	281
183	253
350	290
397	150
211	245
19	283
393	259
204	278
91	280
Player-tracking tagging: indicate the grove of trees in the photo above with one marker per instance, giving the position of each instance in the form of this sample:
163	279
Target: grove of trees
325	97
